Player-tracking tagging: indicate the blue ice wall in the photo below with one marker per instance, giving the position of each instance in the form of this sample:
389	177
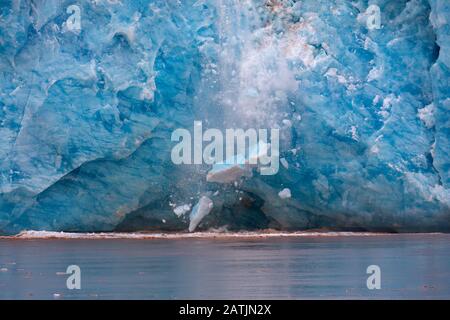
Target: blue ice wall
86	114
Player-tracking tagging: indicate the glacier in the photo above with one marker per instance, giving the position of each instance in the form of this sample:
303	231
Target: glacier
86	114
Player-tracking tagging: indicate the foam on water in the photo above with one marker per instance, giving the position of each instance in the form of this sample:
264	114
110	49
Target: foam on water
31	234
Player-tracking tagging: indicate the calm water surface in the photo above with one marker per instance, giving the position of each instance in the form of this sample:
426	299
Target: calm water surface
412	266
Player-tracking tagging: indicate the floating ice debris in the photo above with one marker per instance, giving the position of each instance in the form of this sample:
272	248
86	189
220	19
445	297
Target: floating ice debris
285	193
3	269
200	210
181	210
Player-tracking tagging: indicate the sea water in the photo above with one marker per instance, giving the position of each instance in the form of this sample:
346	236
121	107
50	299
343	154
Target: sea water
252	266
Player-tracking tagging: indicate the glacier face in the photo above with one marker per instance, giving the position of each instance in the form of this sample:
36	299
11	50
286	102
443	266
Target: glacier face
86	114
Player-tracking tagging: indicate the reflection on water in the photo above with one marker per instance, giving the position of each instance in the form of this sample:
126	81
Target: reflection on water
412	266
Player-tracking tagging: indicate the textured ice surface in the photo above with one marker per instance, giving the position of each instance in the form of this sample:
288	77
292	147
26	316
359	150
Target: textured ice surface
86	115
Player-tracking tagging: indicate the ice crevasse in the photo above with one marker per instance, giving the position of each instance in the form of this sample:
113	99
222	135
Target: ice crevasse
87	112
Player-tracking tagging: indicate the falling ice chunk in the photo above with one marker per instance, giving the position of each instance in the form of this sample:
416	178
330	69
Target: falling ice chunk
200	210
287	123
285	193
181	210
284	163
257	151
239	165
226	173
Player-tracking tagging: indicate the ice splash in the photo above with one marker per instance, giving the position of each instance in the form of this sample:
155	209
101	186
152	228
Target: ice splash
254	63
